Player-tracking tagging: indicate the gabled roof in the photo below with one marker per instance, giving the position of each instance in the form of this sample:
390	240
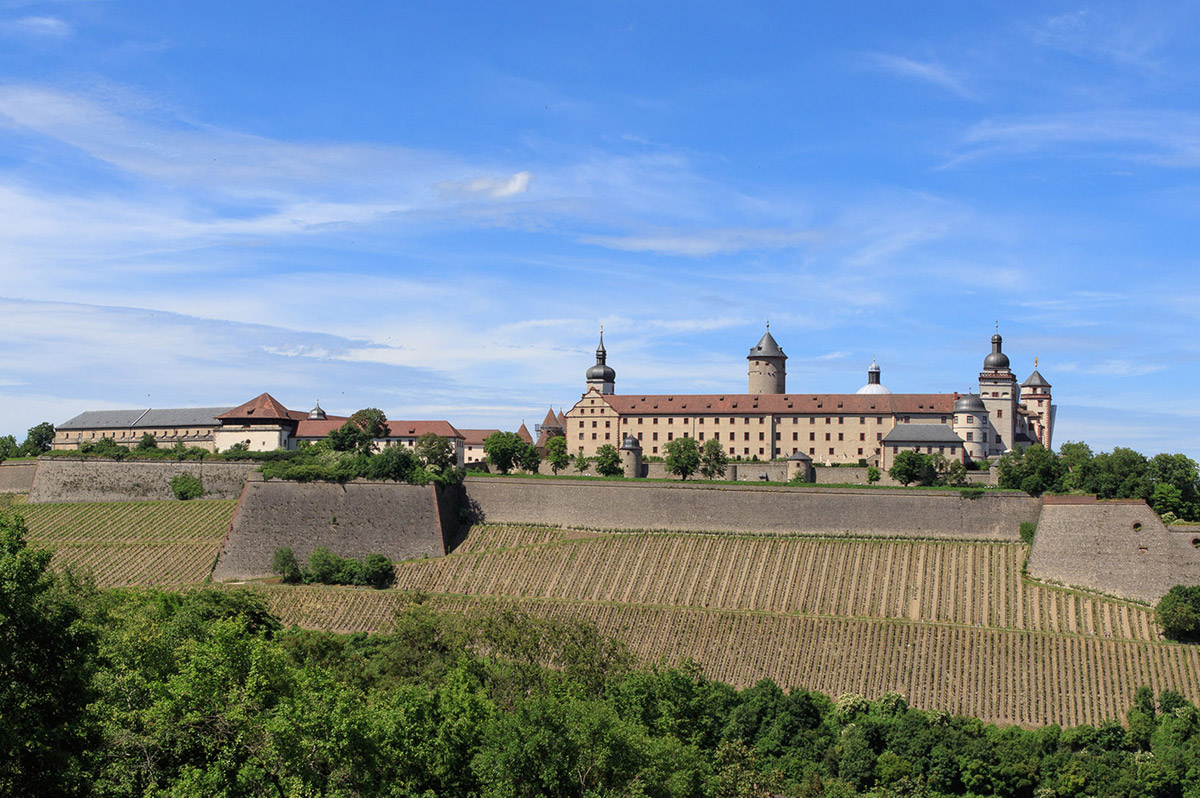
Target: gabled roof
783	404
922	433
263	407
476	437
145	418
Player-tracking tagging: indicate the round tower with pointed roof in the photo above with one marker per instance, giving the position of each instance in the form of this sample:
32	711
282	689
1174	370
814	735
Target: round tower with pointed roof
601	376
768	369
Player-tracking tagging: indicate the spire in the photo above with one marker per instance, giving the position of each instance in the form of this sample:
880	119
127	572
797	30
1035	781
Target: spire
601	353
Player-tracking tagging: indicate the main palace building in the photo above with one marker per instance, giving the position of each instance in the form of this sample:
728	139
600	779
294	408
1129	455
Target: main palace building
767	422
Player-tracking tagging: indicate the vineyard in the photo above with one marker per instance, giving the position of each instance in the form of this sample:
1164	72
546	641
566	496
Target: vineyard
132	543
952	626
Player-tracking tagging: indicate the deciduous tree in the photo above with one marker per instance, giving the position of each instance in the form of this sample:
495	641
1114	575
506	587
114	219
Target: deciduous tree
556	453
713	459
608	461
683	457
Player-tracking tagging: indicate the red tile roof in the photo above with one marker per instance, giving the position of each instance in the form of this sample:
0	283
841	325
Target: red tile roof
263	407
783	404
476	437
398	429
523	433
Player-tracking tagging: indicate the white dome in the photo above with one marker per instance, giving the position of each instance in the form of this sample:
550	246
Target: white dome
872	388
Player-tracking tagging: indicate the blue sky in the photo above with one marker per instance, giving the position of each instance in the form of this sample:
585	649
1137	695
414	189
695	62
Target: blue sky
432	207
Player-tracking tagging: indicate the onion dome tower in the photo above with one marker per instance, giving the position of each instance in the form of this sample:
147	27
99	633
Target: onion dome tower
768	366
873	385
971	424
601	376
999	391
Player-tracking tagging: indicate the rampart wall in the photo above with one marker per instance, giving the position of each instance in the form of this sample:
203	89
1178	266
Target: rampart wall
16	477
1120	548
353	520
749	508
68	479
776	471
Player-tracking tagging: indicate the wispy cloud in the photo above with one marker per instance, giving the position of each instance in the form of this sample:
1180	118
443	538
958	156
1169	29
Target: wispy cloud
40	27
927	71
491	187
704	242
1122	33
1161	138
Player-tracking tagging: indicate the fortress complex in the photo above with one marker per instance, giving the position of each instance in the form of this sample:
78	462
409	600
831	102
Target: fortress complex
769	423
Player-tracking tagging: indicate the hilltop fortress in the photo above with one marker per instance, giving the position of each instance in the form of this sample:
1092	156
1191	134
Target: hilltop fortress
871	425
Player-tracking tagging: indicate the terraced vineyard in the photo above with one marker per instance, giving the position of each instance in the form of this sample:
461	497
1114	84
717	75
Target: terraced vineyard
132	543
952	626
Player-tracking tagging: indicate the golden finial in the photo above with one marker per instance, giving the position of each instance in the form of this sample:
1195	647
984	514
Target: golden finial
1035	364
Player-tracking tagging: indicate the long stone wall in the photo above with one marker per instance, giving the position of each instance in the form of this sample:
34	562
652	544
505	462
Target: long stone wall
63	479
1120	548
353	520
749	508
16	477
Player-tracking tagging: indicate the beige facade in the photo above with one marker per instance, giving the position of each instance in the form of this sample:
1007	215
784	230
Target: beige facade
829	428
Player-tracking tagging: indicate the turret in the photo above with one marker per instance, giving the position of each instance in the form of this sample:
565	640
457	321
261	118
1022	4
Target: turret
1035	395
601	376
768	370
971	424
631	457
873	385
999	393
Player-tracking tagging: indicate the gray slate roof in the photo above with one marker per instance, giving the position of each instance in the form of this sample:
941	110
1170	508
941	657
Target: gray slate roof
145	418
922	433
766	347
1035	379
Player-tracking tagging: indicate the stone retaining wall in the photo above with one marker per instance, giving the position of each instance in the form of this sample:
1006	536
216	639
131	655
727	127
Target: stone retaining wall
16	477
353	520
749	508
63	479
1120	548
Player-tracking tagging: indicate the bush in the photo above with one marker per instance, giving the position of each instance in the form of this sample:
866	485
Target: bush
1027	530
1178	613
148	441
186	486
284	563
327	568
378	571
873	474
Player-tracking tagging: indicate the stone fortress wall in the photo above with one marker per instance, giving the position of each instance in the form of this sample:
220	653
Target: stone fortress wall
62	479
1116	547
17	477
750	509
353	520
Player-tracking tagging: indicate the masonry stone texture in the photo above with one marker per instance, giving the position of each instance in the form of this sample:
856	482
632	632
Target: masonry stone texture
353	520
61	479
16	477
750	509
1120	548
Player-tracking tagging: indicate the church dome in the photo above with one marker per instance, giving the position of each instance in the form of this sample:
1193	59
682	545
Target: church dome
316	414
971	403
873	386
997	360
601	371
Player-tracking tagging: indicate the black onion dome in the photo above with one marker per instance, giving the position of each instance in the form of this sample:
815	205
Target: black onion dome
997	359
601	371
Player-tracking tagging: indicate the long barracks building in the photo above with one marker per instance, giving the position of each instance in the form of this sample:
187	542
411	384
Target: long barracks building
767	422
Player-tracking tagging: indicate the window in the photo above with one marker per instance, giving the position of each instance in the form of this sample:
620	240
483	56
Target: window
943	419
895	449
732	436
640	421
760	450
731	450
778	436
760	437
862	436
746	436
812	419
795	436
941	450
593	436
878	419
862	419
607	435
654	450
607	424
812	451
701	434
581	436
670	421
812	436
655	437
1000	413
593	425
745	419
581	423
831	450
860	450
827	436
970	419
746	451
841	419
656	420
670	436
970	436
639	436
985	437
841	436
828	420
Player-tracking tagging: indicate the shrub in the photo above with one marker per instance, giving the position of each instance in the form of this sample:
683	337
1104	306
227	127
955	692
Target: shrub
873	474
148	441
186	486
971	493
378	571
284	563
1027	530
327	568
1178	613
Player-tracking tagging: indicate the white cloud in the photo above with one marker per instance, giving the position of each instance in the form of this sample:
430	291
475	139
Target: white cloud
926	71
490	187
701	243
43	27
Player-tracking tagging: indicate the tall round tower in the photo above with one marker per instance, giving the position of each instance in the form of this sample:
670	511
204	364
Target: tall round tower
768	369
971	424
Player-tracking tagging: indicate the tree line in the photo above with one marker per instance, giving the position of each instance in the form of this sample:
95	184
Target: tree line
38	439
204	693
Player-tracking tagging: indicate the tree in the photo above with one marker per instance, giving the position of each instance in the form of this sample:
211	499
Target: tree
1179	472
187	486
396	463
1178	613
908	467
148	442
284	563
873	475
581	463
436	452
38	439
504	450
1034	469
608	461
529	460
360	431
9	448
713	459
556	453
46	663
683	457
